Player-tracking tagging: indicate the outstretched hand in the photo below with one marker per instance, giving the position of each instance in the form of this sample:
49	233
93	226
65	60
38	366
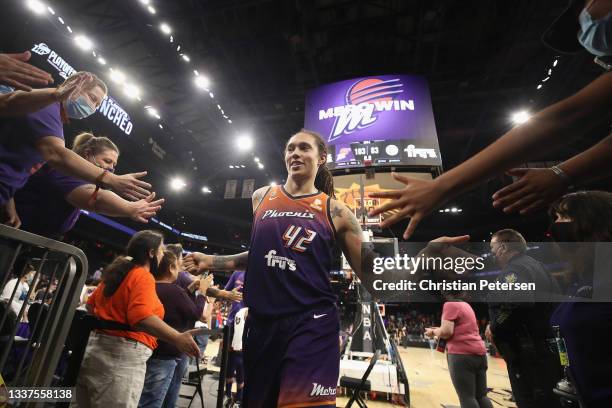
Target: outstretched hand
16	72
534	189
415	201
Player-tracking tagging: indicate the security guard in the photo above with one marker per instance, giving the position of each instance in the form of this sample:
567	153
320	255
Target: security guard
519	323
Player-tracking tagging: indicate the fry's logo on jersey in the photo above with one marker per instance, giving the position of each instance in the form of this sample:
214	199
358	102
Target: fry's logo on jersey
318	390
276	214
280	262
363	99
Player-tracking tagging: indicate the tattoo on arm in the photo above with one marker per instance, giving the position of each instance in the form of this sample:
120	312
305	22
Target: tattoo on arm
351	223
354	226
230	261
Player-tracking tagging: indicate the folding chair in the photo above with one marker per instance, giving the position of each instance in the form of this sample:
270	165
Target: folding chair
357	385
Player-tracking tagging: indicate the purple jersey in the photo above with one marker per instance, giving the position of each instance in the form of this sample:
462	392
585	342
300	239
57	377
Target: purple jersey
19	157
236	281
290	255
57	216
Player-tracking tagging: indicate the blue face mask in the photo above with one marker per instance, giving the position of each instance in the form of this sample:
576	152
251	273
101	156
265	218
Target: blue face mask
595	35
79	108
6	89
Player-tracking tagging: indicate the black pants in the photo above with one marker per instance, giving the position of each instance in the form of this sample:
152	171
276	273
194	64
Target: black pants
469	375
534	370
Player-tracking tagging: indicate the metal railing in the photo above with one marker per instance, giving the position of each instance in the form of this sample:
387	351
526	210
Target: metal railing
32	361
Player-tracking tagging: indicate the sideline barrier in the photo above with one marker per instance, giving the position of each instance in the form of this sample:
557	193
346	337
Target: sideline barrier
32	361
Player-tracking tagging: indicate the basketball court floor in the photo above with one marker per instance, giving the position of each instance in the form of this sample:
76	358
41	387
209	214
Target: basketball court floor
430	383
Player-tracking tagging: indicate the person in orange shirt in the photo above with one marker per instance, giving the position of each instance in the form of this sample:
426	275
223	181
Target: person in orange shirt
114	366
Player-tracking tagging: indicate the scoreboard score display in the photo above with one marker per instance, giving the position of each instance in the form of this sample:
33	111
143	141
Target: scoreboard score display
380	120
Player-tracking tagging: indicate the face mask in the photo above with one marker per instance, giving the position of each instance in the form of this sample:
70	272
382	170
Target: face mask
563	232
595	36
6	89
79	108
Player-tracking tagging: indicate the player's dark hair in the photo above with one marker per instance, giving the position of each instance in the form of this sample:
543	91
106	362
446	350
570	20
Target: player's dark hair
590	212
324	180
138	250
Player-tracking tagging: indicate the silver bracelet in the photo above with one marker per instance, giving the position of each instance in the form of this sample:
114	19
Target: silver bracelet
563	175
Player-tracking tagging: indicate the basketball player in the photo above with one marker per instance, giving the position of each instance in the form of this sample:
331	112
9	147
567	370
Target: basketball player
291	354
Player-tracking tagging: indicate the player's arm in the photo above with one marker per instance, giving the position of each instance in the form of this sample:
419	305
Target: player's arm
348	233
196	262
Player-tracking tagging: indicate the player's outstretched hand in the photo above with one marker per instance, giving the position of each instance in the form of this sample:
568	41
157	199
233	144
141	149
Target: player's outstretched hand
197	262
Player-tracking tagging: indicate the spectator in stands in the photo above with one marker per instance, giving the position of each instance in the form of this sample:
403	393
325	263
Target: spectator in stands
17	73
553	126
467	356
182	309
113	369
586	217
64	196
21	286
27	142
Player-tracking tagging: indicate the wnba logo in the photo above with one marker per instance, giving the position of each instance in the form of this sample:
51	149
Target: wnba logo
363	99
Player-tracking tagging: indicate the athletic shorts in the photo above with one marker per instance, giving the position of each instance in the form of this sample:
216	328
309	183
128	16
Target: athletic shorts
292	361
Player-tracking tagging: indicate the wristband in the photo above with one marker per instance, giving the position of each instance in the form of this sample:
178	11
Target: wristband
562	175
94	196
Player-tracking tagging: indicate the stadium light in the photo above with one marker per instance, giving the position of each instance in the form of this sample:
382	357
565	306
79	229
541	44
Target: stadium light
201	82
83	42
36	6
206	190
244	142
260	165
151	9
131	91
117	76
272	183
165	28
520	117
177	184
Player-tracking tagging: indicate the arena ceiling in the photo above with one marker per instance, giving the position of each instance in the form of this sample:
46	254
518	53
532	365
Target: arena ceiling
483	60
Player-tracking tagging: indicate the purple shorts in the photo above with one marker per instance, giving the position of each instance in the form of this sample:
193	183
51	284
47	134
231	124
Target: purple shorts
292	361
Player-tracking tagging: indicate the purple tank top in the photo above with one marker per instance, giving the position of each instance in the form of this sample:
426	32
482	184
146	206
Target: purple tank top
290	256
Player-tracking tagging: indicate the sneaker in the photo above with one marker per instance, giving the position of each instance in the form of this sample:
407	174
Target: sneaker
237	404
228	403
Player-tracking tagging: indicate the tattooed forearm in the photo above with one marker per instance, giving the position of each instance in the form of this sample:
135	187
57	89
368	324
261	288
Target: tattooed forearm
230	262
